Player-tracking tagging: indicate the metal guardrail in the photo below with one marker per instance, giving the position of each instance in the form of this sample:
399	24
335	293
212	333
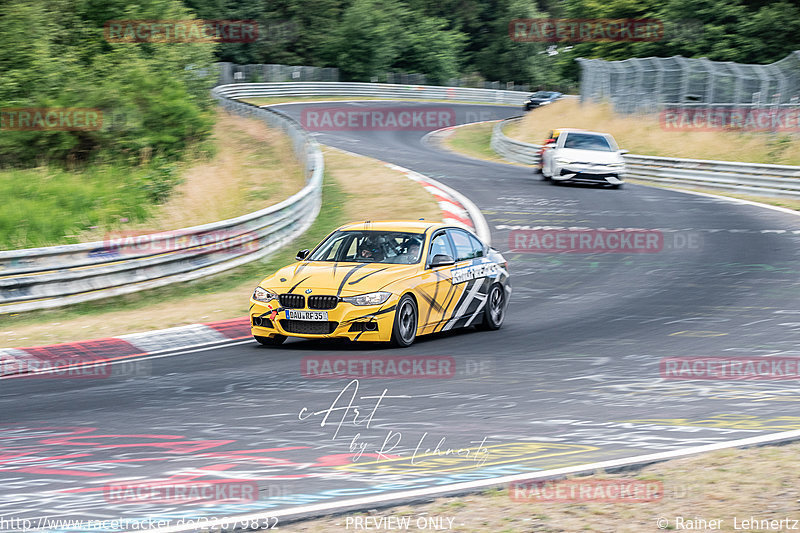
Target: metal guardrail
512	149
748	178
39	278
375	90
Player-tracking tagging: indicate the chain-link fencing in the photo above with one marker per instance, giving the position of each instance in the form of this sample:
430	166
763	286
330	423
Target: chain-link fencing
649	85
233	73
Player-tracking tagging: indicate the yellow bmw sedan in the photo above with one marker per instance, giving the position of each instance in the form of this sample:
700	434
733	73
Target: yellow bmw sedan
384	281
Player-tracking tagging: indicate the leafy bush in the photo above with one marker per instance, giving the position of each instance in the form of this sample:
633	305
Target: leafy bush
53	54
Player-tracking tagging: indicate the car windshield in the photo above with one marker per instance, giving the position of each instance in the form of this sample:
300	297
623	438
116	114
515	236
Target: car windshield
542	94
588	141
395	247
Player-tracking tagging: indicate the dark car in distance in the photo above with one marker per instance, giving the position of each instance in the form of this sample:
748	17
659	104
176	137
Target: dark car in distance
540	98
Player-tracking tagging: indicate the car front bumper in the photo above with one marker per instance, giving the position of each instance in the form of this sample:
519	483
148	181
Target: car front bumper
354	322
590	174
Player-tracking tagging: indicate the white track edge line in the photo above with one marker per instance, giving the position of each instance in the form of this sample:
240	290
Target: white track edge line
726	198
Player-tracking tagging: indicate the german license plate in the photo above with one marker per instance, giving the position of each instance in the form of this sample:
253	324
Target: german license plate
320	316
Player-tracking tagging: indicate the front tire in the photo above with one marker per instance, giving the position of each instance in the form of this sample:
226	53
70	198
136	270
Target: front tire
404	330
275	340
495	311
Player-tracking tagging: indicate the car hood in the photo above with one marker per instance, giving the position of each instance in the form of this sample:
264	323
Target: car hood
589	156
344	279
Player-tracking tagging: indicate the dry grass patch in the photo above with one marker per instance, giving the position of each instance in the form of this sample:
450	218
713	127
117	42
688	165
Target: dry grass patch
759	482
253	167
474	141
377	192
644	135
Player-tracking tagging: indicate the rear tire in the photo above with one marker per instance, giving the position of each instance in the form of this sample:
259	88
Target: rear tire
404	330
275	340
495	311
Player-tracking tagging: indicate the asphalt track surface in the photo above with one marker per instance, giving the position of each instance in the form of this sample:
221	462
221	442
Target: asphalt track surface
573	377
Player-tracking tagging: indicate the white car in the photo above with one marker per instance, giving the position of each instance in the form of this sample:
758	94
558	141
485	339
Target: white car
585	157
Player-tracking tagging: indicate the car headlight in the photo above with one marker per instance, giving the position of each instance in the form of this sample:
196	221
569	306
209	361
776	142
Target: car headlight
264	295
372	298
562	161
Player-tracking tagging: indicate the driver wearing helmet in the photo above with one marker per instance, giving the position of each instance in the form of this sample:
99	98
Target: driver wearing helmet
370	249
411	253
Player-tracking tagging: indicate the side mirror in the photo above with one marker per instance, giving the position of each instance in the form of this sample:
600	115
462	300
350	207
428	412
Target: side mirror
302	254
623	152
440	260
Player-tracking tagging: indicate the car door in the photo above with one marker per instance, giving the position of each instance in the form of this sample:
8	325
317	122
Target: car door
471	272
435	291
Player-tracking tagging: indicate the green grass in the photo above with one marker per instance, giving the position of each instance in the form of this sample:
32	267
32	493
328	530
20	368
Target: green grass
48	206
330	216
474	141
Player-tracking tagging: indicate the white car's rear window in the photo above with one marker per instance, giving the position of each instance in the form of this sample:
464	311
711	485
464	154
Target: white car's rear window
587	141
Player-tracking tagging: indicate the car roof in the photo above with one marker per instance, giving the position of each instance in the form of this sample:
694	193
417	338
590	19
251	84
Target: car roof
414	226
